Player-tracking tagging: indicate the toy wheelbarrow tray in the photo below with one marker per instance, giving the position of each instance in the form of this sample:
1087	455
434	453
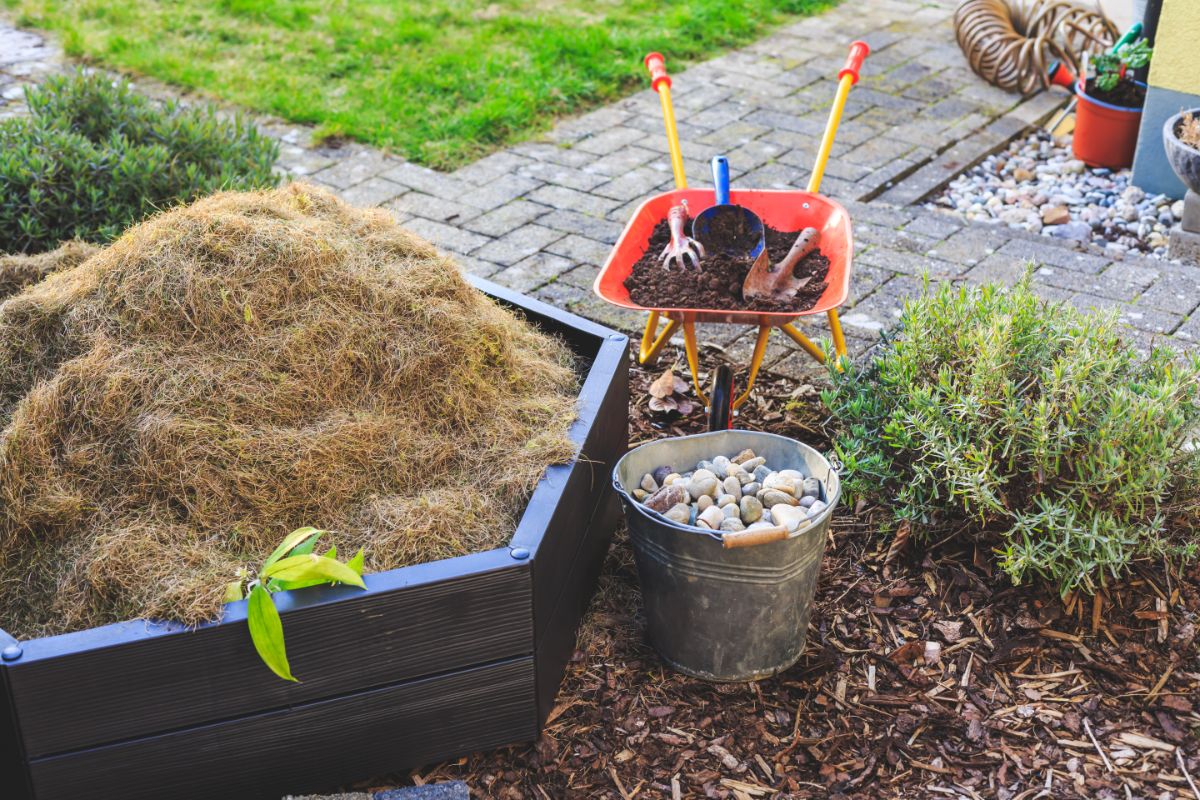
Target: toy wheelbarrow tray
788	210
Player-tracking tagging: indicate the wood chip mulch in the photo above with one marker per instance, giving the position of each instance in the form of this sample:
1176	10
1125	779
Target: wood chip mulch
927	674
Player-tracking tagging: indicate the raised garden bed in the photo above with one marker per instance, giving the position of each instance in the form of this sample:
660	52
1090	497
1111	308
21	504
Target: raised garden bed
431	662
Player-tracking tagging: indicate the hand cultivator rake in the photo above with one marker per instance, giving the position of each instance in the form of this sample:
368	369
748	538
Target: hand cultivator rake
783	210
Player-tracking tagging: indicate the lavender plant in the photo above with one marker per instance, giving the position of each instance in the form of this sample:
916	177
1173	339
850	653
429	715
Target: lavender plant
1035	424
93	157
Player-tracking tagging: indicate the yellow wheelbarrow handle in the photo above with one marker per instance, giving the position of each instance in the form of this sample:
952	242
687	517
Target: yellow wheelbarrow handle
660	81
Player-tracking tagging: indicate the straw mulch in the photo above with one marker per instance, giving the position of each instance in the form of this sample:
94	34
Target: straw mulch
20	270
237	368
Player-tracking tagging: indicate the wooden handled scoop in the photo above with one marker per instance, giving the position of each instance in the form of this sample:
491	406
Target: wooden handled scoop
779	282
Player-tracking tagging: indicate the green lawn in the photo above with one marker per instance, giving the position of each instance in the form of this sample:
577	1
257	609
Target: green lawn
438	81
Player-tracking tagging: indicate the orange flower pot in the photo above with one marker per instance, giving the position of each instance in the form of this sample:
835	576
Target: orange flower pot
1105	134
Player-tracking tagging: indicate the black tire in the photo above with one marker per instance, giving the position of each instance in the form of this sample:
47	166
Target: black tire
720	400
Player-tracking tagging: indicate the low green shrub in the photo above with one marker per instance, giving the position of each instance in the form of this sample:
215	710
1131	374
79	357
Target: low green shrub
93	157
1033	423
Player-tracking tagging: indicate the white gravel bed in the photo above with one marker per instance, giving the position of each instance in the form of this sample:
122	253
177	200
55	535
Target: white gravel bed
1038	185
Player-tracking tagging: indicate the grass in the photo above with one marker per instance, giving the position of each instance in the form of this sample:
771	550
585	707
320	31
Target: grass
441	82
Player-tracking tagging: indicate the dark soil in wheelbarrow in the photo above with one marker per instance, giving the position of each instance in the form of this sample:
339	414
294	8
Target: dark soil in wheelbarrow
718	283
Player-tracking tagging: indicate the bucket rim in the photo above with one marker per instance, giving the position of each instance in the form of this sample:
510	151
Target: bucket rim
658	519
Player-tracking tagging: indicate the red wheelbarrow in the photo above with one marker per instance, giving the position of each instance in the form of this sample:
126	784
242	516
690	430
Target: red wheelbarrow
782	209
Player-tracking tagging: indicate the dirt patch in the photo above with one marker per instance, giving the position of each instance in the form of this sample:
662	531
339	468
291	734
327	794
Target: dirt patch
718	285
1126	94
234	369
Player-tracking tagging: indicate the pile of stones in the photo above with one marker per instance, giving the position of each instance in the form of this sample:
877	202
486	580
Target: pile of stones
1038	185
732	494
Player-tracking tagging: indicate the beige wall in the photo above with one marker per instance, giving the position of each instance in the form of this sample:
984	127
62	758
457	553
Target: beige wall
1176	61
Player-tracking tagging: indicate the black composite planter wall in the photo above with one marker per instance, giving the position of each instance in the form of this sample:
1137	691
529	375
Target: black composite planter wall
431	662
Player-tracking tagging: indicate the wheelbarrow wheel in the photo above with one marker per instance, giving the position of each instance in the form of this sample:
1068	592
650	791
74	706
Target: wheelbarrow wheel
720	400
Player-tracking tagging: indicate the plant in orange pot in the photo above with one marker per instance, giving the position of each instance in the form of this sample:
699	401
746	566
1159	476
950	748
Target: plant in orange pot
1110	107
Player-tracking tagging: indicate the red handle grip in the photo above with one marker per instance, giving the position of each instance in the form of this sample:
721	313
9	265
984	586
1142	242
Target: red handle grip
858	51
658	70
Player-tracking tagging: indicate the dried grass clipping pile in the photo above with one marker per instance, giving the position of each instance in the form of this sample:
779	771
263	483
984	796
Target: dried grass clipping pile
237	368
18	271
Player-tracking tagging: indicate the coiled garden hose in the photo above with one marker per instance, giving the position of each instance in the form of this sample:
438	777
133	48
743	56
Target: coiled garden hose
1012	43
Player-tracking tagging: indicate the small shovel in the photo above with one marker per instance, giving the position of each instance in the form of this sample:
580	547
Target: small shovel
779	282
740	227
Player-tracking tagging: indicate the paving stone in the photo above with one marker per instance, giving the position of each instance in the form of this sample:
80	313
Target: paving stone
573	200
1189	331
598	228
1136	316
427	180
518	244
610	140
493	167
910	263
354	170
446	236
1044	251
1118	282
864	280
580	249
532	271
637	183
477	266
997	268
582	277
560	294
419	204
372	192
881	214
732	135
620	162
775	176
934	225
719	115
554	154
554	174
806	124
502	190
1177	290
970	245
507	217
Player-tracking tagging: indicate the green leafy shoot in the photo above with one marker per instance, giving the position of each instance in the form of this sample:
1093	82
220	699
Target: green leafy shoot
1111	68
292	565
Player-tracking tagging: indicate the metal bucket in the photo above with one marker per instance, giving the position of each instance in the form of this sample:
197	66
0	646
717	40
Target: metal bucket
716	613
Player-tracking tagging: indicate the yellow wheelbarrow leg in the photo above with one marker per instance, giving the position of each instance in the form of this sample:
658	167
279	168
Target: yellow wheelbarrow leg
652	343
693	357
839	338
799	338
760	350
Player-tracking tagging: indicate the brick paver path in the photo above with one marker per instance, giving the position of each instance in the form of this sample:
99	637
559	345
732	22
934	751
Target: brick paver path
541	216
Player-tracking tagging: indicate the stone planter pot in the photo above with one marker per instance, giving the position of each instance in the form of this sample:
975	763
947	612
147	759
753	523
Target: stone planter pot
1105	134
1184	160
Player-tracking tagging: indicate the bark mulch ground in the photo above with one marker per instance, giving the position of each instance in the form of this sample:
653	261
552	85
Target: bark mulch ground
927	674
